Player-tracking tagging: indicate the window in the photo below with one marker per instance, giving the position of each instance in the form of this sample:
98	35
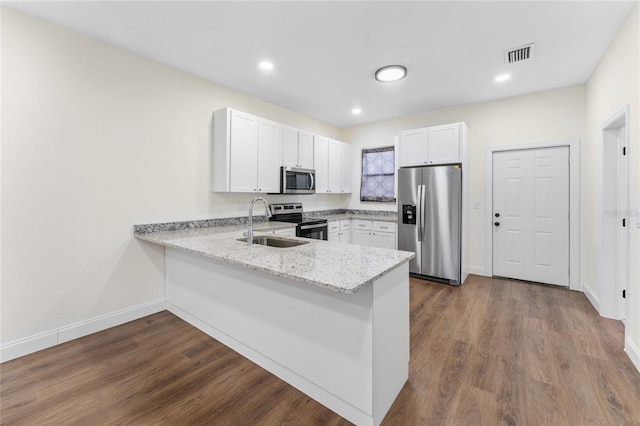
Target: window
378	175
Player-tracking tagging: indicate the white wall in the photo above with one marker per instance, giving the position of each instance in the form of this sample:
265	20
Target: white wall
538	117
614	84
94	140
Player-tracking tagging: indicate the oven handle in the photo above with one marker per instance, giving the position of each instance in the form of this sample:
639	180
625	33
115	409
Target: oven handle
320	225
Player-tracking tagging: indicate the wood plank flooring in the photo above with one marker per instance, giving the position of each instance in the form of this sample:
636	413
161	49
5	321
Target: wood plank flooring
491	352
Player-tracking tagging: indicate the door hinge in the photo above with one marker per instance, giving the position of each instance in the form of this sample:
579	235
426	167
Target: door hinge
624	222
624	294
624	150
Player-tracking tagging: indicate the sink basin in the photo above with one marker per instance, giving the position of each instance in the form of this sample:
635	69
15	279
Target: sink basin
266	240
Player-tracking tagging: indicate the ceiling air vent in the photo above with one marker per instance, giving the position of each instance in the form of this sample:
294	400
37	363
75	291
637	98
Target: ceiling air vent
519	54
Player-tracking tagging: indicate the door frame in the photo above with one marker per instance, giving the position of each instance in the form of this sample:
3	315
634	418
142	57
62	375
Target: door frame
574	202
610	303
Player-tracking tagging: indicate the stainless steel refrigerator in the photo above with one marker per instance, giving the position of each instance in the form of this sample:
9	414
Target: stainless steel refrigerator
430	220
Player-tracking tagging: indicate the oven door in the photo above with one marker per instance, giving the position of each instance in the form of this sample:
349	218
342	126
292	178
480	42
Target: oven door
317	231
297	181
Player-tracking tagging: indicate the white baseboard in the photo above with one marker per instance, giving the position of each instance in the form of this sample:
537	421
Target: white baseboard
591	295
633	352
479	270
64	334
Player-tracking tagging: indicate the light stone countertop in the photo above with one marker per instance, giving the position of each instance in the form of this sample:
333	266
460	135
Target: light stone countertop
376	218
344	268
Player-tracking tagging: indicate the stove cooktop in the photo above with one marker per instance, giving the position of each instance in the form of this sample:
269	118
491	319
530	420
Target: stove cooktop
292	213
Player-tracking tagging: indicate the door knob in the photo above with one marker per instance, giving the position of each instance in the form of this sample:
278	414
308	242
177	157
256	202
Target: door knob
497	223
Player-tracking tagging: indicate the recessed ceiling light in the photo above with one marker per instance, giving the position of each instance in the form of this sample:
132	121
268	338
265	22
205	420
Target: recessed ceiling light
391	73
356	111
266	65
503	77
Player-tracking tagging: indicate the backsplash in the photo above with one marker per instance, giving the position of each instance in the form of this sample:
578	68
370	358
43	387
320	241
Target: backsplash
243	220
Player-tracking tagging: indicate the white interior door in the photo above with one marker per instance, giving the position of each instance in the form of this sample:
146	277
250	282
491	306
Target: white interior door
531	215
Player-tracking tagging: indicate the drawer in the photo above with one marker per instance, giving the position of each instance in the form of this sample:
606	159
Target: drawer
333	226
384	226
289	232
345	224
362	225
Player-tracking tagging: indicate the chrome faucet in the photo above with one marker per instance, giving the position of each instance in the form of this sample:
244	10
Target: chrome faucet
249	233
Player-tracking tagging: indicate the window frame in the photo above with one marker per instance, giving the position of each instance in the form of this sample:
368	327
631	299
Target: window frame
366	151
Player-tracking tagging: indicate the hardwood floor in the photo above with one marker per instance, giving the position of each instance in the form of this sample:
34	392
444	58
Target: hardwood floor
490	352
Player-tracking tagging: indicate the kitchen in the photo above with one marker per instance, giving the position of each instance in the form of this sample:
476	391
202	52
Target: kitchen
97	139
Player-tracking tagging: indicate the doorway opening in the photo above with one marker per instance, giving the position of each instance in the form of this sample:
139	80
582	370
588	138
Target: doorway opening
614	228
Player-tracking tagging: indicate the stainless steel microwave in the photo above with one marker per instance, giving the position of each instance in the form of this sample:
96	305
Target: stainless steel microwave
294	180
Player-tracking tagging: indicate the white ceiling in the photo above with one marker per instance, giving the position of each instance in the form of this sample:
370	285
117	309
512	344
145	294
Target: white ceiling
325	53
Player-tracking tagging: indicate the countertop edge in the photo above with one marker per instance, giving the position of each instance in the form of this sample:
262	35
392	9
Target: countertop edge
232	261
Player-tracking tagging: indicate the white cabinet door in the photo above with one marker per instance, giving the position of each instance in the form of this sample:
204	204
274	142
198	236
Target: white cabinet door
290	147
345	231
291	232
345	166
413	147
443	144
333	237
243	173
297	148
335	169
305	149
383	239
361	237
269	156
321	163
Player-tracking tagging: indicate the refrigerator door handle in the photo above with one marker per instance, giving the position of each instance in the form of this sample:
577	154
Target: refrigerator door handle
423	200
419	213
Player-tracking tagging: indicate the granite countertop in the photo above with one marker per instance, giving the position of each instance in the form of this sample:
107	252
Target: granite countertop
344	268
359	216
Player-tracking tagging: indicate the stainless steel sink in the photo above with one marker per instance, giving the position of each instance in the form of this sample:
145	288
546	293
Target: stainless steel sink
266	240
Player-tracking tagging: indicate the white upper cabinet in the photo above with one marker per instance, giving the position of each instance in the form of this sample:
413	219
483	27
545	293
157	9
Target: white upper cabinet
430	145
321	163
269	156
413	148
345	168
297	148
443	144
289	147
335	170
247	152
332	161
243	152
305	149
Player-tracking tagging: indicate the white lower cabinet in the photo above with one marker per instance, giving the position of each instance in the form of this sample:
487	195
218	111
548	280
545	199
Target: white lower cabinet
289	232
345	231
374	234
340	231
333	231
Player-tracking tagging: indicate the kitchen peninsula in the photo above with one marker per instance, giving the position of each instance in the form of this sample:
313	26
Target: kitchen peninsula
330	319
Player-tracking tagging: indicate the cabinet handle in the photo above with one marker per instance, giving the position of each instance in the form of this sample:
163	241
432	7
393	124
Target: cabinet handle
255	189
